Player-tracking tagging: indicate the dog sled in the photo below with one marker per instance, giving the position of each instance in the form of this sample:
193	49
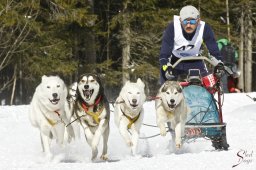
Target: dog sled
204	97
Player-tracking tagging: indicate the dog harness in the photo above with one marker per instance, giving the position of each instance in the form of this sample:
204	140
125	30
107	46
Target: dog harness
52	122
131	120
94	115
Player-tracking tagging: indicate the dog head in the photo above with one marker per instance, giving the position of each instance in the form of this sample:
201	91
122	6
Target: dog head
72	95
171	95
133	94
52	92
89	88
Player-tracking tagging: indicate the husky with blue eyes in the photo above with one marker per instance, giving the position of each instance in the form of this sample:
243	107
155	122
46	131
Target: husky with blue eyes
171	108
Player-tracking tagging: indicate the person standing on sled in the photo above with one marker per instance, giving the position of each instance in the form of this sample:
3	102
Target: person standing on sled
183	38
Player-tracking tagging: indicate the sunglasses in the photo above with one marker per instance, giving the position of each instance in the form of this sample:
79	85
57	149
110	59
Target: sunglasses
191	22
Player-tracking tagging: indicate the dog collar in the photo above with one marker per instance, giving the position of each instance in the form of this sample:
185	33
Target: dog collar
86	107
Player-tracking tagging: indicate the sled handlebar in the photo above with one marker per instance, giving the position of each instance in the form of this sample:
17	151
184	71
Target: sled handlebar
213	61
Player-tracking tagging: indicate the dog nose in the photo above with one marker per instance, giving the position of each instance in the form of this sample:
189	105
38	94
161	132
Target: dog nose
172	100
54	95
134	101
86	86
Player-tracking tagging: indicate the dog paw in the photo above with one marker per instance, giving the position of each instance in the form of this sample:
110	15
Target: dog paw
129	143
163	133
104	157
178	145
94	154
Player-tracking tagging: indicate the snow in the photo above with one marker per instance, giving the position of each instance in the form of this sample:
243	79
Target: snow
20	146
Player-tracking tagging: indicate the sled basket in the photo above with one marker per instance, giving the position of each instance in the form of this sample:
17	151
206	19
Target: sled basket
210	130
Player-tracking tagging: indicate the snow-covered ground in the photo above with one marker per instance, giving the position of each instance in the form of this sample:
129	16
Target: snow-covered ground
20	146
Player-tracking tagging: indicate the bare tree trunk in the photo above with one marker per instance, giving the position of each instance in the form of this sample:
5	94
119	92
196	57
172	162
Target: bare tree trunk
14	84
248	61
126	55
228	23
90	45
241	52
126	46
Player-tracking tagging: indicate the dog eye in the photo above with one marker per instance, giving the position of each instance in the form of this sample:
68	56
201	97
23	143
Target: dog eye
47	87
58	86
129	92
167	92
82	81
138	92
92	80
176	93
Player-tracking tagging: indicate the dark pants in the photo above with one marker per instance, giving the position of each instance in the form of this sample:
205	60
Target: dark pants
181	70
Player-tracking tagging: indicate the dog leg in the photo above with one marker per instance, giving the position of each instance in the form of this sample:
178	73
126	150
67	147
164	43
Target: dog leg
59	131
69	133
172	132
87	133
76	128
45	141
105	144
161	125
89	138
124	132
160	121
94	153
98	133
135	137
178	135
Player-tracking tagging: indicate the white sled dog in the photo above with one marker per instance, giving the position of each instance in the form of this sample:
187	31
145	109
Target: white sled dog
129	112
47	112
92	110
171	107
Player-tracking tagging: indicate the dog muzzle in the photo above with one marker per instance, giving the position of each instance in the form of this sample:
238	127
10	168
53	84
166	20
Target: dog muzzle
54	101
171	105
88	94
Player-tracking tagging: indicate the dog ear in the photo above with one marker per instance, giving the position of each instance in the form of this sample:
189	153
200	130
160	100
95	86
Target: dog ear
127	82
139	81
164	88
179	88
43	78
165	85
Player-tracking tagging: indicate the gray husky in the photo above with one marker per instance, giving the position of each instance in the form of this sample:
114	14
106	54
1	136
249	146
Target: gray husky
171	107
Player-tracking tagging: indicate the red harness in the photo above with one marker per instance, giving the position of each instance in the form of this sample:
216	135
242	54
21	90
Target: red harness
86	108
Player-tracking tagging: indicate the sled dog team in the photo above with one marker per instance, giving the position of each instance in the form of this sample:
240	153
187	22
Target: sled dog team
60	112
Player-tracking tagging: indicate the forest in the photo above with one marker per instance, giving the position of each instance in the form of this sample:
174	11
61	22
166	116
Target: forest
119	40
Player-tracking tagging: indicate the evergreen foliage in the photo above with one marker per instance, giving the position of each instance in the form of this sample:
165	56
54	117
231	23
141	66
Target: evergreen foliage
73	37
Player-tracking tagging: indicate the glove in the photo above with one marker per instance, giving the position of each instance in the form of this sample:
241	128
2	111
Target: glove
219	69
220	66
164	67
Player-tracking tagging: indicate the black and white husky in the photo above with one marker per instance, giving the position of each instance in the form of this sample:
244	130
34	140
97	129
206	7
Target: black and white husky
92	109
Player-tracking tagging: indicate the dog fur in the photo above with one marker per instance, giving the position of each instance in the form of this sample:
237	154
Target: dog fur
47	112
129	112
92	109
69	106
171	107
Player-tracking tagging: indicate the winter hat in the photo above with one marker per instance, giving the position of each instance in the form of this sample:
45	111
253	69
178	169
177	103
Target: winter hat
189	12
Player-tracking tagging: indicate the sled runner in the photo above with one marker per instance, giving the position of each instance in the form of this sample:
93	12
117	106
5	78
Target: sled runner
205	119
